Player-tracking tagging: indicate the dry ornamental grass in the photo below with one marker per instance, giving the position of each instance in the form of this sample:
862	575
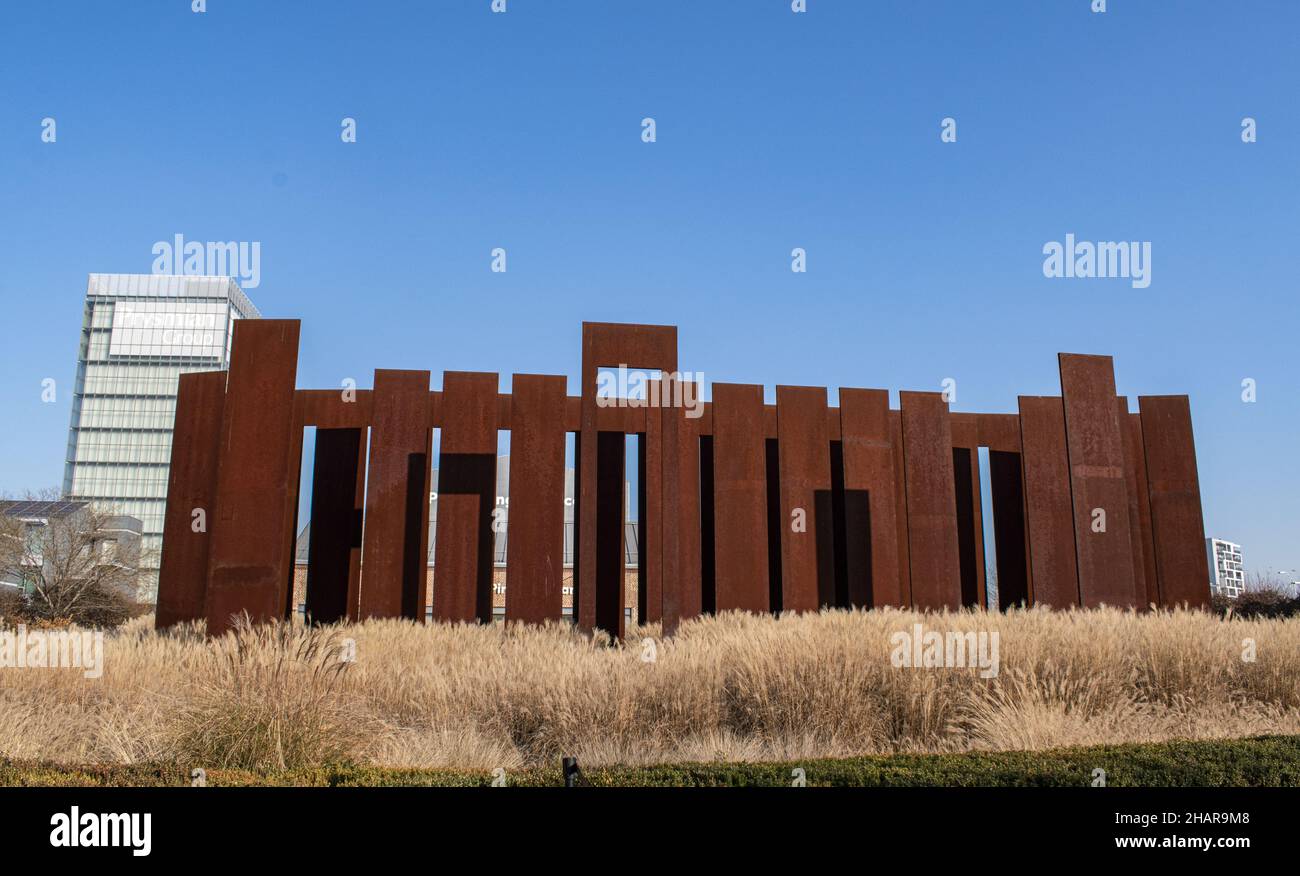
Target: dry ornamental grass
733	687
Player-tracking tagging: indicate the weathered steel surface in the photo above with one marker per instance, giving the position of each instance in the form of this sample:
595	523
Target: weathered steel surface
870	526
682	577
1135	487
289	526
334	546
966	440
652	347
900	509
740	498
994	431
191	488
1102	533
535	529
931	501
890	500
394	571
1140	503
250	556
970	523
650	511
611	498
1177	526
467	474
807	524
1054	578
1011	538
335	408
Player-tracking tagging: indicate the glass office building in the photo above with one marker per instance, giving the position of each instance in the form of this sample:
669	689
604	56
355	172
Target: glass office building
140	332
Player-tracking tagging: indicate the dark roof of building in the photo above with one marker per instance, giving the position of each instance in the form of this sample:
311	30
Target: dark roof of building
46	509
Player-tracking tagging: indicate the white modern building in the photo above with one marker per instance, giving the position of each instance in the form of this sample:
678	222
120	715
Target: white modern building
1226	575
140	332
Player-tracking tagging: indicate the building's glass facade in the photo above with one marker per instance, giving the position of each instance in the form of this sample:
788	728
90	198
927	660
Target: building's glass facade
139	333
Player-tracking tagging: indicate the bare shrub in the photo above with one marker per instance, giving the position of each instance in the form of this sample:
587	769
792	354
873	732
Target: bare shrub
272	702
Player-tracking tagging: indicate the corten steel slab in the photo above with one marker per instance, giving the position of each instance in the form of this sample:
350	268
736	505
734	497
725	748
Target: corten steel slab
999	432
1135	486
977	498
739	498
931	501
289	526
1177	526
1097	481
535	528
191	486
250	557
467	465
970	523
967	437
900	509
681	550
335	408
964	430
611	464
870	525
650	509
607	345
807	555
1054	568
1142	491
643	564
337	502
1011	538
394	570
775	524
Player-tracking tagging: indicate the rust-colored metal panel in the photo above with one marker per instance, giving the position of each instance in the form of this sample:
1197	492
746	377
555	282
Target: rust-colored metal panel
682	577
977	499
191	486
900	509
650	508
1142	502
1011	538
1135	486
611	498
931	501
1053	562
870	525
970	522
807	550
467	466
740	498
334	546
335	408
535	546
607	345
394	570
1097	483
999	432
250	556
1178	529
289	526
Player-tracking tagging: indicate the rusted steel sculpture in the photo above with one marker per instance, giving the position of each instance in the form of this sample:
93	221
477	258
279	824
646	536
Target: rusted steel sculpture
742	505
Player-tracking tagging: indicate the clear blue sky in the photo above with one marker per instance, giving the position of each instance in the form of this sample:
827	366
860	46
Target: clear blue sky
775	130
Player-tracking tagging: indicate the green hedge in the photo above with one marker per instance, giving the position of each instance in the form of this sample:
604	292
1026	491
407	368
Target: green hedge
1265	760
